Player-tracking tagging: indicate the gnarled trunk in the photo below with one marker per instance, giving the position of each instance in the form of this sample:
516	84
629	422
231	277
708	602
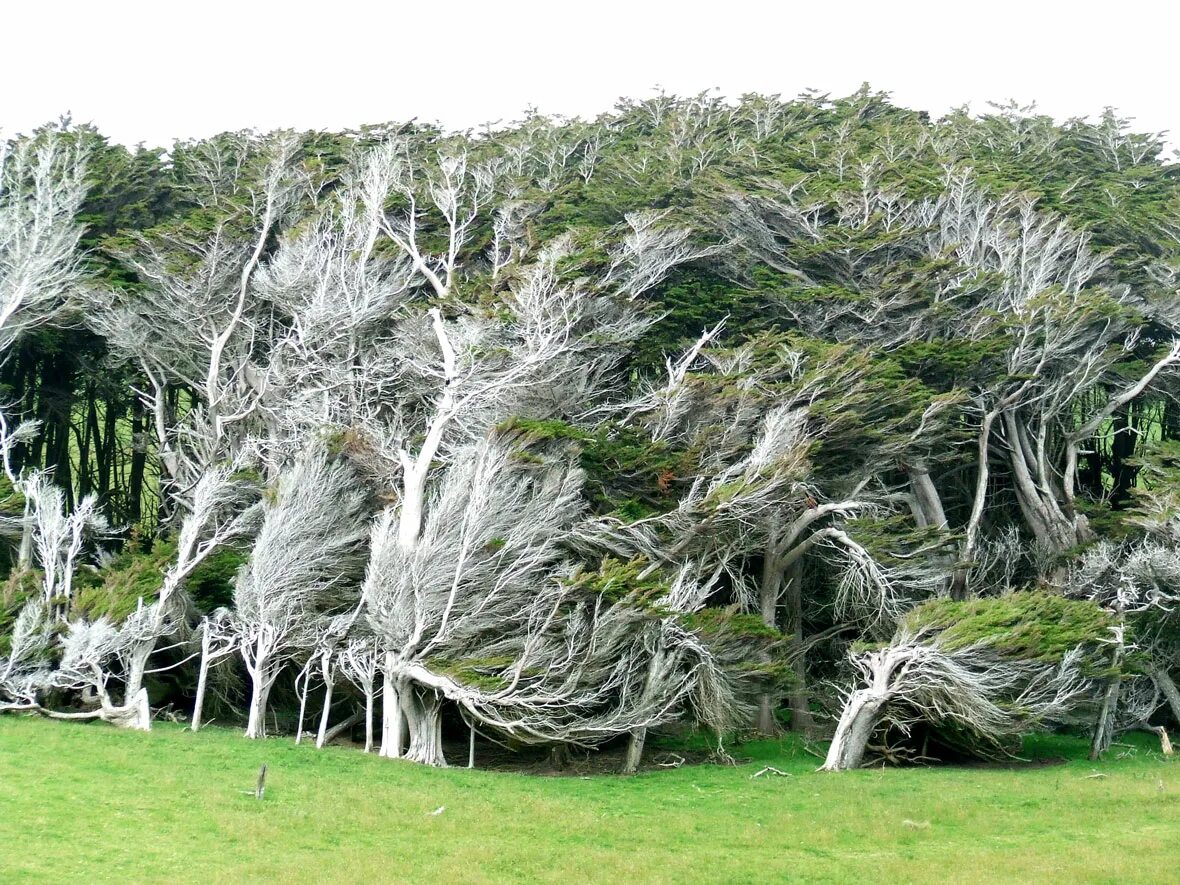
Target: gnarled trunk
422	711
135	713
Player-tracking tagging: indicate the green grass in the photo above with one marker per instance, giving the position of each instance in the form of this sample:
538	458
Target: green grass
86	802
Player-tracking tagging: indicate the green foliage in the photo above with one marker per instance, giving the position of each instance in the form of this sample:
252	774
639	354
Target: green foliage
1026	625
621	583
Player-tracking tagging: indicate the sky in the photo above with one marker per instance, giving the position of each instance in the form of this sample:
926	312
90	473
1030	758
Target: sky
155	71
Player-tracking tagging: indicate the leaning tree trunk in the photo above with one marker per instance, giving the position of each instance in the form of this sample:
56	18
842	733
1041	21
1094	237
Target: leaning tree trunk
638	738
1163	681
202	679
859	720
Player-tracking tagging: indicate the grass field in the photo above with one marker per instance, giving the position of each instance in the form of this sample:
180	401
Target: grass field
86	803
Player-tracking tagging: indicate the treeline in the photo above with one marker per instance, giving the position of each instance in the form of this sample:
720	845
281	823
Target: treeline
573	429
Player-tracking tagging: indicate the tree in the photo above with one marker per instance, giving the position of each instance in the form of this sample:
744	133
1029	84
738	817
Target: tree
985	669
307	551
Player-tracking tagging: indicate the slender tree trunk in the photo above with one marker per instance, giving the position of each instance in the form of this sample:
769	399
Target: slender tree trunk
769	589
202	679
801	718
305	675
24	559
326	670
369	719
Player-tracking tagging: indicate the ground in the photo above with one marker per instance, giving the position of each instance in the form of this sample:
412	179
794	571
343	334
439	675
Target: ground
85	802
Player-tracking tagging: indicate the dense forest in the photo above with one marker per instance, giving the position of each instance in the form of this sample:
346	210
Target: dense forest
742	415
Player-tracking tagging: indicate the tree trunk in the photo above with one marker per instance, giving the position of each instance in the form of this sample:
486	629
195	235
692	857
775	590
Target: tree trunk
306	676
769	589
202	678
639	735
1163	681
635	750
926	496
423	714
1104	727
256	725
801	718
857	723
135	713
369	719
136	670
391	712
324	716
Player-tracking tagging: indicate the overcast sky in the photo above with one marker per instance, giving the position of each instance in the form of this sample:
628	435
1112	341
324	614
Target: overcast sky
155	71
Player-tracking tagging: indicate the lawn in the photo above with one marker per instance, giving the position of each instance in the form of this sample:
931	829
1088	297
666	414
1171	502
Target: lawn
85	802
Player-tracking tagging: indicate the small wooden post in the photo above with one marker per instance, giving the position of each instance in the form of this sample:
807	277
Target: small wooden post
261	788
471	747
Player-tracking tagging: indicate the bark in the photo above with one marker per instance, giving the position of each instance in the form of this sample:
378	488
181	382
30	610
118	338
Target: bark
135	713
306	677
391	716
340	727
858	721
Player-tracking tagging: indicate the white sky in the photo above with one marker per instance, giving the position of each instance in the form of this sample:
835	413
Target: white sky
155	71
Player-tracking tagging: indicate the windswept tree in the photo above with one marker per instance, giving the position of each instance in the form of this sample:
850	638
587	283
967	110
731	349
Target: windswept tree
304	563
982	671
